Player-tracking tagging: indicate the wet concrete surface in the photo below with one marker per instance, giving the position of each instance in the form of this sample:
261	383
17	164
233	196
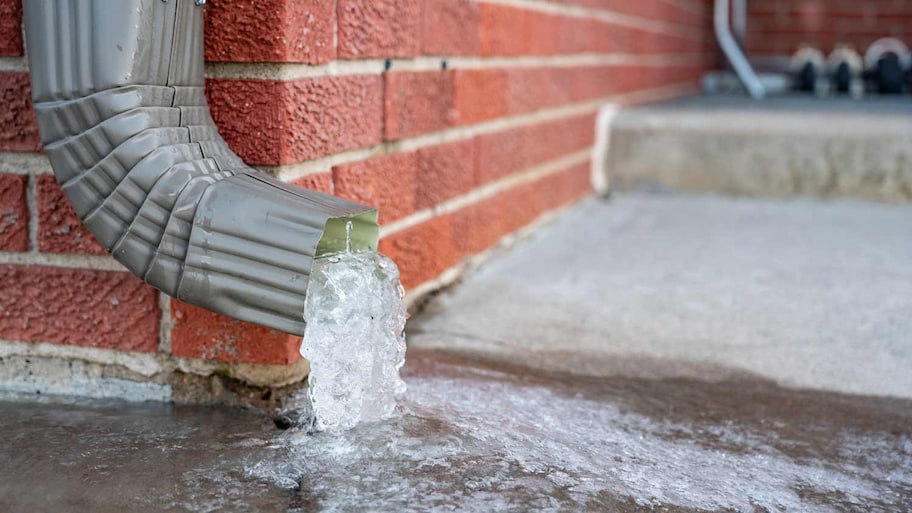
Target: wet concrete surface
808	293
475	435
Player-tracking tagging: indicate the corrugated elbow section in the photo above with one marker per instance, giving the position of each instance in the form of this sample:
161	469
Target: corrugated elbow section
118	91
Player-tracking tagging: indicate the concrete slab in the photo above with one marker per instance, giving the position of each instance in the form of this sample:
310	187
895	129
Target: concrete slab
807	293
781	147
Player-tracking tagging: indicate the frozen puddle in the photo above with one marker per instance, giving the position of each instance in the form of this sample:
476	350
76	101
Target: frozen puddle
354	339
476	437
484	440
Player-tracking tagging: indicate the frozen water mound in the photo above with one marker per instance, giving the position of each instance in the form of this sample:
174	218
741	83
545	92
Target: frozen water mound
354	339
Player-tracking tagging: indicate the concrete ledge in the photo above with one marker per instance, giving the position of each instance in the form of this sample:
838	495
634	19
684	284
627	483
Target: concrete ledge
30	369
780	148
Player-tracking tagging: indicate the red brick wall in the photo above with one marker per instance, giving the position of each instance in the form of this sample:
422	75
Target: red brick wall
779	27
462	120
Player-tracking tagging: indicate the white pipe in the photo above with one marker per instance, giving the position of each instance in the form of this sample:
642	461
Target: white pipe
739	22
733	52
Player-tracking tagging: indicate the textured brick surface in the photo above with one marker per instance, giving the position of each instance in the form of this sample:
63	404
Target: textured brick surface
388	182
506	152
270	31
367	28
14	216
322	182
10	31
451	27
18	128
59	228
104	309
417	103
272	123
445	171
424	251
199	333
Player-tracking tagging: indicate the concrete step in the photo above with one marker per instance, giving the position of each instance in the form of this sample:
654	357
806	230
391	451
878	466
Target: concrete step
789	146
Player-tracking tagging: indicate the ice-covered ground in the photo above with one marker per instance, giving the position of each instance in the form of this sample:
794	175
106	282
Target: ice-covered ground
471	436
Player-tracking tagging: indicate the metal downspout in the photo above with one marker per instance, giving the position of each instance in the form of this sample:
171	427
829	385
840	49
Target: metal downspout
118	89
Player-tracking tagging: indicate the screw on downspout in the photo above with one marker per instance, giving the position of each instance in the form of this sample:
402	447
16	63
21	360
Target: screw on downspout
199	2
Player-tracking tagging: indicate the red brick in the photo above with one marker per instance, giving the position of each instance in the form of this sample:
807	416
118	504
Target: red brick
506	152
332	114
273	123
18	128
479	95
14	216
270	31
417	103
387	182
371	29
479	226
564	187
424	251
322	182
445	171
502	153
106	309
507	30
199	333
59	228
423	102
10	28
554	139
451	27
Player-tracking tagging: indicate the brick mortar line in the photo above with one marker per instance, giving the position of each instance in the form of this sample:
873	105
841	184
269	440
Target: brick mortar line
13	64
289	172
31	202
64	260
579	11
286	72
164	323
486	191
24	163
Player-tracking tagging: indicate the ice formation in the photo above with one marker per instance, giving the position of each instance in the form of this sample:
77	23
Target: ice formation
354	339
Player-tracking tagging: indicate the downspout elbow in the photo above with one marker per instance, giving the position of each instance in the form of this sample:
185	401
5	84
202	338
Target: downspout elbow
118	92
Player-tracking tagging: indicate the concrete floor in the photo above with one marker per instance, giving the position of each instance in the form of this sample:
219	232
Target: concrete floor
810	294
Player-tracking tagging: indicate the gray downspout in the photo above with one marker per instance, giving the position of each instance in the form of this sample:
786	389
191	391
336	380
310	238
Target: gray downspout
118	92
